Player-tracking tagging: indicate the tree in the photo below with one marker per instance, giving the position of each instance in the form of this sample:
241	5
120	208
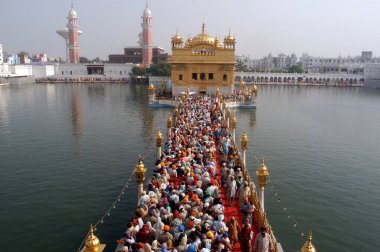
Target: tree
295	69
241	67
160	69
138	71
83	60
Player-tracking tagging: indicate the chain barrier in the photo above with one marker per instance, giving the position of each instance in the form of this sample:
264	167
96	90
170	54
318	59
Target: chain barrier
113	205
294	222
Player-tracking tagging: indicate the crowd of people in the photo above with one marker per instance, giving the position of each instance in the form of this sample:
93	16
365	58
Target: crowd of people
182	209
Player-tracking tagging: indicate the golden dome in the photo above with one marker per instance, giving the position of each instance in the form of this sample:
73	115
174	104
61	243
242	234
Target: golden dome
262	167
229	39
203	38
262	174
217	42
308	246
92	243
177	39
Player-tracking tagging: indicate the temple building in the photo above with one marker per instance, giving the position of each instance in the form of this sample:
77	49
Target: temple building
202	64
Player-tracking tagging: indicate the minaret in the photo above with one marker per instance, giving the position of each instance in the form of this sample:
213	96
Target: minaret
65	33
147	42
73	27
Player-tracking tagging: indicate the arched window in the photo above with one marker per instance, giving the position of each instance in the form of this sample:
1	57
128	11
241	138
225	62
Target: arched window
224	77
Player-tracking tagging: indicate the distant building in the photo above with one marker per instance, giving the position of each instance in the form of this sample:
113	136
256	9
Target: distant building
340	64
269	63
145	53
24	58
40	57
93	70
135	55
11	59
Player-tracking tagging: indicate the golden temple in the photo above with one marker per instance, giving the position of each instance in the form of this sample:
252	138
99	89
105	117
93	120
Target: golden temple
202	64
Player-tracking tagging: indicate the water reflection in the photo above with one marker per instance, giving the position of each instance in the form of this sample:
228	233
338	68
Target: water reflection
76	119
96	92
4	114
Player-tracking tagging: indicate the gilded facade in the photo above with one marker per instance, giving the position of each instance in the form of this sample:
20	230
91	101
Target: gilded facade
203	63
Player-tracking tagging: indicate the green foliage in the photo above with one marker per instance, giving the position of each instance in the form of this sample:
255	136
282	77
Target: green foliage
83	60
160	69
240	67
295	69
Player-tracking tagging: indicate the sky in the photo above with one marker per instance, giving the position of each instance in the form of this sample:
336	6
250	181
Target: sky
327	28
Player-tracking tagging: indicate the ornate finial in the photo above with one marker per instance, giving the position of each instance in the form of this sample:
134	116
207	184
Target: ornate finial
140	159
310	236
159	139
244	140
203	27
92	242
72	4
308	246
140	171
146	4
262	174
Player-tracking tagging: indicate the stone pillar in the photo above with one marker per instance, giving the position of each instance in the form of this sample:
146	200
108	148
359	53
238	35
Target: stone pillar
169	125
158	144
262	198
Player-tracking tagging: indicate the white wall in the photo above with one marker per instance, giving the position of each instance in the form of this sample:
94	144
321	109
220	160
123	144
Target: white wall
1	54
80	70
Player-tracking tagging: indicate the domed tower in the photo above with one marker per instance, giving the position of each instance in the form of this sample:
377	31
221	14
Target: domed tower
177	40
92	243
147	41
73	29
308	246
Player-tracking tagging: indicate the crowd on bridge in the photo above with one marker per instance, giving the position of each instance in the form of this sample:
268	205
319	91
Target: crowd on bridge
181	208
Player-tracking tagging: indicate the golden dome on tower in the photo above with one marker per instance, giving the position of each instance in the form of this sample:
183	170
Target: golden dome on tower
308	246
229	39
92	242
177	39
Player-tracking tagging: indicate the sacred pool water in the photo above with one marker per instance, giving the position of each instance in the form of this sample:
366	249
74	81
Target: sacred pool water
66	152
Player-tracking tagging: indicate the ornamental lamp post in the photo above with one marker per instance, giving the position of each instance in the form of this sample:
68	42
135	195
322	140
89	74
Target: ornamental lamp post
228	114
151	90
262	179
169	124
308	246
180	103
233	127
242	84
159	143
254	89
140	175
218	94
92	242
176	113
244	145
224	109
